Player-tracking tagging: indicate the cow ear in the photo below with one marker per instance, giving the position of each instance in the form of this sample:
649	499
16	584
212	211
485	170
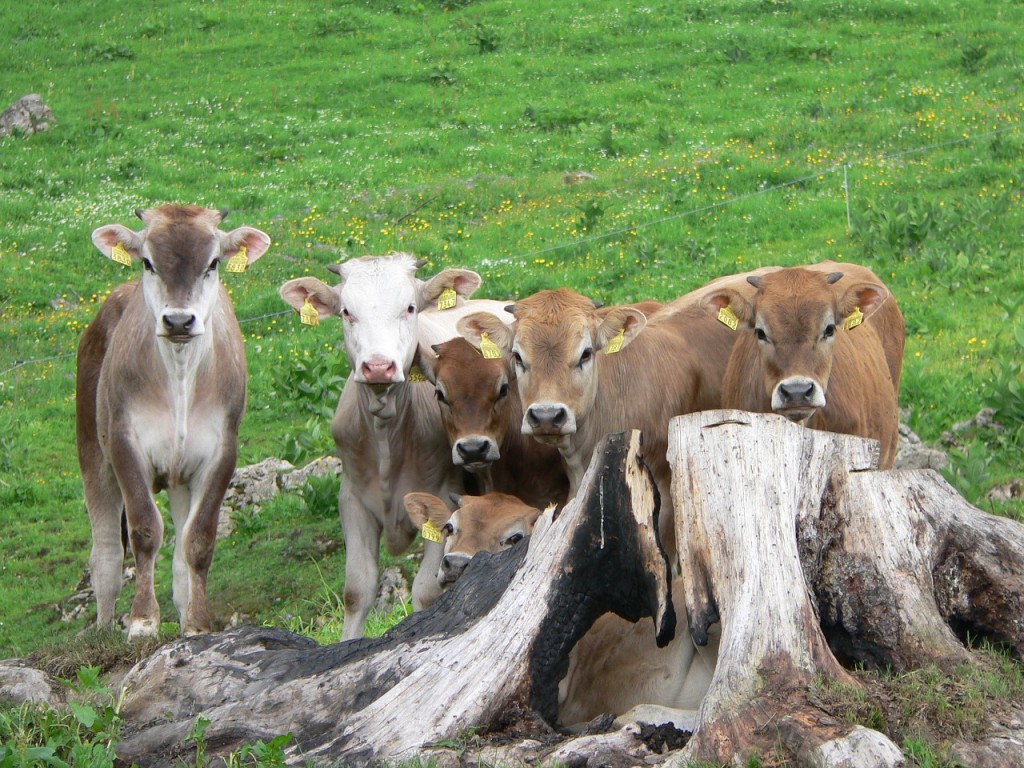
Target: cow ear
463	281
109	237
255	242
426	358
302	289
619	327
473	326
424	506
867	297
727	301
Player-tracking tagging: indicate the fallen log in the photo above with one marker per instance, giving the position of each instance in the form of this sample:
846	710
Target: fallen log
802	555
494	644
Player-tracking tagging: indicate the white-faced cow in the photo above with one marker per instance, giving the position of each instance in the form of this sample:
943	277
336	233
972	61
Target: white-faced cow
489	523
617	664
583	373
482	413
387	428
822	348
160	395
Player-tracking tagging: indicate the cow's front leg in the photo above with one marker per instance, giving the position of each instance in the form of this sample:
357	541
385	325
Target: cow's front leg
362	532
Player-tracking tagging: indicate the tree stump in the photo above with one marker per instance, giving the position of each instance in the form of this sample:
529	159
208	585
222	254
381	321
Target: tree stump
494	644
802	554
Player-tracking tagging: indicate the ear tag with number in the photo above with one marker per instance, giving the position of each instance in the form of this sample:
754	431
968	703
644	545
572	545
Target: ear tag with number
488	348
308	314
447	299
239	261
416	375
855	318
727	317
120	255
616	343
430	533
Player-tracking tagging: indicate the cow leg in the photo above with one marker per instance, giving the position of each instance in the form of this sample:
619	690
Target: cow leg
425	589
362	532
103	501
145	532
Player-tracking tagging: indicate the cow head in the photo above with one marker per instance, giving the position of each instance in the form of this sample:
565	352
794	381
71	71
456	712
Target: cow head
489	523
379	300
180	247
794	317
554	344
475	399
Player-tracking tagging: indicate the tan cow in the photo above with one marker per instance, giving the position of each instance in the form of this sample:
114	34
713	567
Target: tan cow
160	395
617	664
822	348
583	373
387	428
482	413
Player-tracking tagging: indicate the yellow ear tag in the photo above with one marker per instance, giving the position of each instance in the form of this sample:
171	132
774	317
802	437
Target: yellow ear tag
616	343
120	255
430	533
239	261
416	375
308	314
488	348
447	299
727	317
856	318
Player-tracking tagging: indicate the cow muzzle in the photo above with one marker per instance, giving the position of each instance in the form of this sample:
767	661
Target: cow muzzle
378	372
549	420
180	326
452	566
475	453
797	398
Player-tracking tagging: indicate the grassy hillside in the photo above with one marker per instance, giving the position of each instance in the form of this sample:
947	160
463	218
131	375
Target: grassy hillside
714	137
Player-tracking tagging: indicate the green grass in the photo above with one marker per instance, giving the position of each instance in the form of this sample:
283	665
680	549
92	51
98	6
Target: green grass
718	135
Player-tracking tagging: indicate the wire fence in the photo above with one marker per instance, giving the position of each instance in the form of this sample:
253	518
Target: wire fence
842	167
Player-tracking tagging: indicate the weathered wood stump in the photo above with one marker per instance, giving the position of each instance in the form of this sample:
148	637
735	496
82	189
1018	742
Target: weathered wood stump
803	555
497	642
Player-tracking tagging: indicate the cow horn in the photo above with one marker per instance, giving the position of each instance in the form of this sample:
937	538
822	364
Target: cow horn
335	268
223	213
754	280
456	499
436	348
597	304
140	212
511	309
420	262
833	277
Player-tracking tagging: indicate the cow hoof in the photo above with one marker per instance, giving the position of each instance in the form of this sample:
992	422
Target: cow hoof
139	628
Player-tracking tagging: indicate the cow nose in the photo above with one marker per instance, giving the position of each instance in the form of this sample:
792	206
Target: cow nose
179	323
473	449
379	371
797	391
547	417
452	566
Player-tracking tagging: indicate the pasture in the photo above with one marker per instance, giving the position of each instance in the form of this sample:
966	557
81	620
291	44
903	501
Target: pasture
630	151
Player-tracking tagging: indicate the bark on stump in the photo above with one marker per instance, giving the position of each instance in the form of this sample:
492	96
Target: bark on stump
793	546
497	642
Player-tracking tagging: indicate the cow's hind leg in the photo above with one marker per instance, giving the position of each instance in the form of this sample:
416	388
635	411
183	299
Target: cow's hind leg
103	501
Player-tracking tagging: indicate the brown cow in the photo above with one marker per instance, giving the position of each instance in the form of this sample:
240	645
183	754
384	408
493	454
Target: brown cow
822	348
160	395
489	523
583	373
617	664
482	413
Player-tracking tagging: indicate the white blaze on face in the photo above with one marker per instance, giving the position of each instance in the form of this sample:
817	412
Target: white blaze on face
379	307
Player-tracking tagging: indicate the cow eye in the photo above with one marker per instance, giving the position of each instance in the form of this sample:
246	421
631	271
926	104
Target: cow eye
830	331
518	361
411	309
515	538
760	334
213	266
440	396
503	391
345	313
585	357
147	265
447	529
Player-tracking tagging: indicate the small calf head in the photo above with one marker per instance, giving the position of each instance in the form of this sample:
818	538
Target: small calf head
180	247
475	399
794	317
553	343
489	523
378	299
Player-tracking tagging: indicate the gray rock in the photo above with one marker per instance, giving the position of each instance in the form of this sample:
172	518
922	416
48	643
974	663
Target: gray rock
26	116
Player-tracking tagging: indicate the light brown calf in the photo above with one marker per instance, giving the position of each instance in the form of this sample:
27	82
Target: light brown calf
482	413
160	395
823	348
583	373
